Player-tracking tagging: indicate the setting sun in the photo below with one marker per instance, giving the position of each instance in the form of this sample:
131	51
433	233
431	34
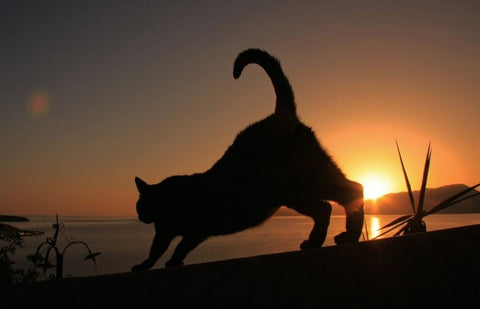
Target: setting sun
375	185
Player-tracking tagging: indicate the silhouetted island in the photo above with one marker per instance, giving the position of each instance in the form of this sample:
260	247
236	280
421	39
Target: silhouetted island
9	218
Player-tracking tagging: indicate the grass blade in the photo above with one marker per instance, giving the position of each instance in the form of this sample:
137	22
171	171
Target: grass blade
409	187
423	188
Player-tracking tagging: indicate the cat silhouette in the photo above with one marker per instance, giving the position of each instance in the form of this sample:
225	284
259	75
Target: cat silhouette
273	162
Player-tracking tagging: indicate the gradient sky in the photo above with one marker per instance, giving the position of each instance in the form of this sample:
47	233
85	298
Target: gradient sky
94	93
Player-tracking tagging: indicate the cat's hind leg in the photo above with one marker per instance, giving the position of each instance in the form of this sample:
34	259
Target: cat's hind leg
187	244
350	196
320	212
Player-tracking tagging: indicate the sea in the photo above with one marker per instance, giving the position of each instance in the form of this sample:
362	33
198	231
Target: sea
125	241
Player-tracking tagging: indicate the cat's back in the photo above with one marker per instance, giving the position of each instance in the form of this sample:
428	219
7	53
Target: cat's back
268	144
253	146
267	149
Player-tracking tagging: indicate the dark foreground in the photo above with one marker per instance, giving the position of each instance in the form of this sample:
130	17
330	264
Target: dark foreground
439	268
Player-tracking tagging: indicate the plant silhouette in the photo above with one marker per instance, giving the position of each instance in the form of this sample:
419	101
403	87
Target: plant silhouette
409	224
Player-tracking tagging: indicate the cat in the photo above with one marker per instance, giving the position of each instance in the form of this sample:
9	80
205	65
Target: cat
273	162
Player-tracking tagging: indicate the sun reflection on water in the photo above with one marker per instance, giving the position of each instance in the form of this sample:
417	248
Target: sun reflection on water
374	227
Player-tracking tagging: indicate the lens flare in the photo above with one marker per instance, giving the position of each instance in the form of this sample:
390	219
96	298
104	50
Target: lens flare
38	104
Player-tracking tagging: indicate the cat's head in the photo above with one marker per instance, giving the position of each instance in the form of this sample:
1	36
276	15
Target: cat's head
147	202
162	201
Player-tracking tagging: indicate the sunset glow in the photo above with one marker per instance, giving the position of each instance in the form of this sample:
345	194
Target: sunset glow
99	94
375	185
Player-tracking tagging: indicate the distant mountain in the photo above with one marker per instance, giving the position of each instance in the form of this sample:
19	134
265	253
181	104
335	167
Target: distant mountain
399	203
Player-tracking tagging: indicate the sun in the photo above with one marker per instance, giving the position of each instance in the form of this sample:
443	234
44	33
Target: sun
375	185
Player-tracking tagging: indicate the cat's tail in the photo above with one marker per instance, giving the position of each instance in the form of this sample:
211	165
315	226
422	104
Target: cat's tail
285	106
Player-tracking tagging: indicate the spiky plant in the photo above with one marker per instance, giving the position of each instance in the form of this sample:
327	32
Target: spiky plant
409	224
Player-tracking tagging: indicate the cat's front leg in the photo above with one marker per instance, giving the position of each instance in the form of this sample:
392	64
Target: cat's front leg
187	244
159	246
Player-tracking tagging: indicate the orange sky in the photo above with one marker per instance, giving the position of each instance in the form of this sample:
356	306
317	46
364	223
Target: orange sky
94	95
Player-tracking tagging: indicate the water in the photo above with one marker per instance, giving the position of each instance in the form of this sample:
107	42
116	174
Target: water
124	242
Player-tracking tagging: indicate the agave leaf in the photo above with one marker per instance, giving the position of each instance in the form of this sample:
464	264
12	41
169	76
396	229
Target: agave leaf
432	211
452	200
423	188
464	198
400	219
396	226
456	202
402	229
409	187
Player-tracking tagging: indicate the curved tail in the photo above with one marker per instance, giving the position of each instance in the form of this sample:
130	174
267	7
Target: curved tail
285	105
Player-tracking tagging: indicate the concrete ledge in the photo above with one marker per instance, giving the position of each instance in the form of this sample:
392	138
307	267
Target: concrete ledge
434	268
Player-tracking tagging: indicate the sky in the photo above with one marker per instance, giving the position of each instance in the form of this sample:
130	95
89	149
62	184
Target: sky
94	93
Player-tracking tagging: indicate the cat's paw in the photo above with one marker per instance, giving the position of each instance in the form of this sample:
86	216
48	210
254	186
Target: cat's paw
345	238
138	267
141	266
308	244
173	263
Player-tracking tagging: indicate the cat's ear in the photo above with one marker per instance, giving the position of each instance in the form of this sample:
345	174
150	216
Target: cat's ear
141	185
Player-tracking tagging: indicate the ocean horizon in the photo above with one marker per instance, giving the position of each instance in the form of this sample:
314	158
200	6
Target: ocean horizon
125	241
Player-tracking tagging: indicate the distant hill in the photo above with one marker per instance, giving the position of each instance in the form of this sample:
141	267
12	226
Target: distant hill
399	203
